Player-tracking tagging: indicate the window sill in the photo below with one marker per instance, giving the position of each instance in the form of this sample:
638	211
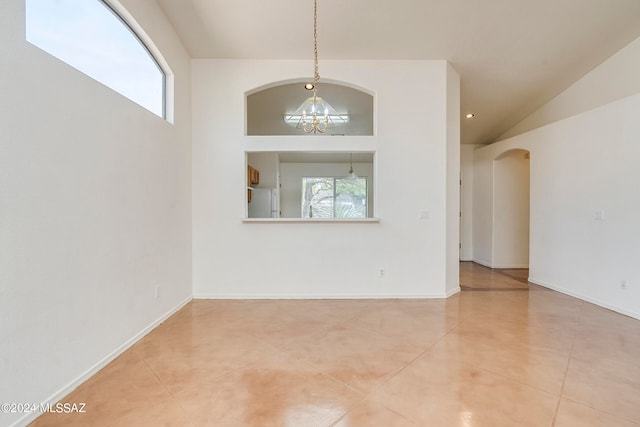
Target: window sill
311	220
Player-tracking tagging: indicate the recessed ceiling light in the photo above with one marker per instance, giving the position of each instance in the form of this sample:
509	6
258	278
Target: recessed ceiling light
470	116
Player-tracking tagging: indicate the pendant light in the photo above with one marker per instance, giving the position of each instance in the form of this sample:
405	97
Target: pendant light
351	175
315	115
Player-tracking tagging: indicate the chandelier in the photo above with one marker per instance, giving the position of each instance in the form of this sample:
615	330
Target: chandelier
315	115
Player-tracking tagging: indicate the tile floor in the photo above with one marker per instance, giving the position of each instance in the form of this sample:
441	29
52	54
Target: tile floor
507	356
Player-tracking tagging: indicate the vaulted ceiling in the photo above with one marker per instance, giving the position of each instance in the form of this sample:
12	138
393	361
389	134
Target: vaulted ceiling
512	55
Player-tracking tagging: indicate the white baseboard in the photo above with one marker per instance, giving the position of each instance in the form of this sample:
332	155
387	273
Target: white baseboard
28	418
586	298
517	266
317	296
481	262
464	259
488	264
453	291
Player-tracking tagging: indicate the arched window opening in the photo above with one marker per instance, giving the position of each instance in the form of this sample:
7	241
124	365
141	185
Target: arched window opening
92	37
275	110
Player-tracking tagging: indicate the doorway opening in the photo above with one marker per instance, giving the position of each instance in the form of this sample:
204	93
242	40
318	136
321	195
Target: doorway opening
476	277
511	207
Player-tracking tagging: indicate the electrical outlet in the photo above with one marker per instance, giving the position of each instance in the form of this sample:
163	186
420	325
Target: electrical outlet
381	273
623	285
156	292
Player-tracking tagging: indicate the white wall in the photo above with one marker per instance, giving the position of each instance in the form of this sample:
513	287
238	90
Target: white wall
511	210
466	201
95	211
291	175
412	251
580	166
614	79
452	160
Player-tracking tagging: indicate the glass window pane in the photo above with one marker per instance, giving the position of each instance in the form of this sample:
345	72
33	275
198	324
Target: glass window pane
351	198
90	37
317	197
324	197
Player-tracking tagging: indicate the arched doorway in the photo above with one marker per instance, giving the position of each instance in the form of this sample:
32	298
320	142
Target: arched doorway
511	191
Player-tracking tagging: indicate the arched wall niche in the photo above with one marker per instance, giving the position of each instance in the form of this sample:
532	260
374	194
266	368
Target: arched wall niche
267	105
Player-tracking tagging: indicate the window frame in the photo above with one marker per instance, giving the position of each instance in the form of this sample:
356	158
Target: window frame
146	48
158	107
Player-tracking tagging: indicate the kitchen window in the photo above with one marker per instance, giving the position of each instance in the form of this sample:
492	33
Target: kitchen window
330	197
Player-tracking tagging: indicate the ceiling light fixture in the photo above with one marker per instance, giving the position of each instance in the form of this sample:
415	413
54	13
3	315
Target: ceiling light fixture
315	115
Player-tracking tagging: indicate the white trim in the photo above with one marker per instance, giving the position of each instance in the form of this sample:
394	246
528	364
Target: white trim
510	266
312	220
470	259
485	263
54	398
316	296
634	314
453	291
489	265
156	54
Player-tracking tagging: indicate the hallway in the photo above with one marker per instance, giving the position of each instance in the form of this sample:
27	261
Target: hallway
476	277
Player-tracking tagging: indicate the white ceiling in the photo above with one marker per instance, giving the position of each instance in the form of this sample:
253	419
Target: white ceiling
512	55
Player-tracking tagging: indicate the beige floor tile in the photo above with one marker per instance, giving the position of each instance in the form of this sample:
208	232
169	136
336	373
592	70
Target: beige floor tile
540	368
532	309
594	317
121	390
279	391
357	357
605	385
419	323
572	414
614	345
186	362
163	413
437	391
603	334
341	311
370	413
555	337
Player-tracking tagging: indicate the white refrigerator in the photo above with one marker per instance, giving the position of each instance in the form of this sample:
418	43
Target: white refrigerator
264	203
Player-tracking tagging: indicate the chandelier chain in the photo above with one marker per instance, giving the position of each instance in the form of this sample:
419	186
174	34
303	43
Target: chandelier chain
315	115
316	77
